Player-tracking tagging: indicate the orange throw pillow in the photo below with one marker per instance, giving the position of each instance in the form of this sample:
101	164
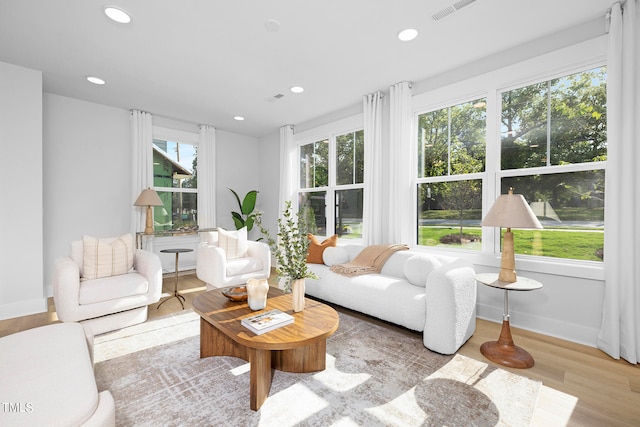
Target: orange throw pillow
314	255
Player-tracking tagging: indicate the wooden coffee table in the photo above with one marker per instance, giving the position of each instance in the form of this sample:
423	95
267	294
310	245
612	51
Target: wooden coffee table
297	347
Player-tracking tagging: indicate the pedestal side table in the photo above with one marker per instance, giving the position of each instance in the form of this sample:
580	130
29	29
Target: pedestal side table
504	351
176	294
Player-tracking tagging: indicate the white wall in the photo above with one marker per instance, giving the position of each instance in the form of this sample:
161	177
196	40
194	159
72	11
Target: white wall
238	166
269	152
87	174
21	192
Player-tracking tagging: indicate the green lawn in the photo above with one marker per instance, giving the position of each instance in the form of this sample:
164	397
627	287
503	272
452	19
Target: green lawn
580	244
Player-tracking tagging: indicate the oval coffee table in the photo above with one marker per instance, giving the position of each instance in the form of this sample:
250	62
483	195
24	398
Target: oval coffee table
297	347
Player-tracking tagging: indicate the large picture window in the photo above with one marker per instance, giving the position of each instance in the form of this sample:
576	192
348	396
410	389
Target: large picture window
553	152
451	162
175	178
332	184
551	148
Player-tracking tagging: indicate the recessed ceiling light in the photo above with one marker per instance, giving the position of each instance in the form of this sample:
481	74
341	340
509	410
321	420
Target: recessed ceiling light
96	80
117	15
408	34
238	118
296	89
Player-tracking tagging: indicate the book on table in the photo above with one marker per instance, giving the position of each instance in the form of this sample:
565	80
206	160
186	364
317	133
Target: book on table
267	321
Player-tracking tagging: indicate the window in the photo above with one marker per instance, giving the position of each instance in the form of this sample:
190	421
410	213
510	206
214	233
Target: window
551	148
553	151
175	178
332	184
451	162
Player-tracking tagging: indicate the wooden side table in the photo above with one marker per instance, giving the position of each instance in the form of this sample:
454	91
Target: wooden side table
504	351
176	294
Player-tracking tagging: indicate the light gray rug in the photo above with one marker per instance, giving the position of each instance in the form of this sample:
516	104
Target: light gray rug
376	376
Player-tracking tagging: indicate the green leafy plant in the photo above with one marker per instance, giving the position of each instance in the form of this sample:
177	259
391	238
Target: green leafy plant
247	215
290	249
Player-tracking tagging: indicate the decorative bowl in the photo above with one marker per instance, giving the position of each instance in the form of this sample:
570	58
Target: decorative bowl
235	293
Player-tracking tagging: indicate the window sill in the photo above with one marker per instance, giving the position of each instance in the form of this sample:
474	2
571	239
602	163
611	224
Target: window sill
555	266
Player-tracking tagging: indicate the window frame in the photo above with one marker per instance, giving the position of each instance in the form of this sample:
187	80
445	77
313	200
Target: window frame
329	132
175	135
449	177
561	62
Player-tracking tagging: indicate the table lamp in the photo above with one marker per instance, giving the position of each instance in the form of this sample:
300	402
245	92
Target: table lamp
148	198
510	211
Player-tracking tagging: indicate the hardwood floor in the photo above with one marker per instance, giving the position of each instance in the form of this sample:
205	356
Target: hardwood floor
582	386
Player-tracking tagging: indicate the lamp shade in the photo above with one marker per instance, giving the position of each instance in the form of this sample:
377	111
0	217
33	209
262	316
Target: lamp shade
148	197
511	211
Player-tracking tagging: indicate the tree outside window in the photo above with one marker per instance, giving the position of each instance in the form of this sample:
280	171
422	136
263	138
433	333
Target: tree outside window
451	160
553	152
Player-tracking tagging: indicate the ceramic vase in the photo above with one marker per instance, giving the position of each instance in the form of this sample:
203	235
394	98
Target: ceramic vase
257	293
297	291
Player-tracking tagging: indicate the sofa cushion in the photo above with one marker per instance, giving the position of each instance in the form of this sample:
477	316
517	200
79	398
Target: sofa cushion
335	255
233	243
211	237
244	265
418	268
48	372
112	288
316	248
106	257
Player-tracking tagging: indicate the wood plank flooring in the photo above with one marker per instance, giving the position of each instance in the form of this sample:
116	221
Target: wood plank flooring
582	386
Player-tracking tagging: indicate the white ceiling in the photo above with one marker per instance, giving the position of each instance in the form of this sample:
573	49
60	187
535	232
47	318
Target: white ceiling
205	61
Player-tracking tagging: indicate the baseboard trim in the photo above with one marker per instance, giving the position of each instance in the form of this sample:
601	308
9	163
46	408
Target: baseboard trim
23	308
552	327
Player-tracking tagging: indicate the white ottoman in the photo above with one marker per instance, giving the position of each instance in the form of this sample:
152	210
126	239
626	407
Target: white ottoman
47	379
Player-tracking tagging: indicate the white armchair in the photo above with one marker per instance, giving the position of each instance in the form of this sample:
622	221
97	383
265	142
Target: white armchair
217	269
112	301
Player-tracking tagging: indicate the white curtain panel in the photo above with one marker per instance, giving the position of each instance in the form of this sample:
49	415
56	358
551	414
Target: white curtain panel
399	194
287	169
207	177
620	331
142	163
373	232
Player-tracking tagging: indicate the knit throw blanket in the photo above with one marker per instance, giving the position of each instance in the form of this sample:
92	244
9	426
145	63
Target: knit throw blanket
370	260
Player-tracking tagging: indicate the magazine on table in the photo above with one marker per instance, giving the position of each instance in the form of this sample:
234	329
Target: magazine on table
267	321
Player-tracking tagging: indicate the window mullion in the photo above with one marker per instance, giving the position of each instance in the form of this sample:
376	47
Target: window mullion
549	123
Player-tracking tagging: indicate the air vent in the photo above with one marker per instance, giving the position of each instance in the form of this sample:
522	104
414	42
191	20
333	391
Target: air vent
444	12
451	8
274	97
462	3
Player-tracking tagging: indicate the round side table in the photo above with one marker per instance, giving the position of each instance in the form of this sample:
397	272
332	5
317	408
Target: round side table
504	351
176	294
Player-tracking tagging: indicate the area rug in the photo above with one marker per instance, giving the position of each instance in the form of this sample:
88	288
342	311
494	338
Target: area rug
376	375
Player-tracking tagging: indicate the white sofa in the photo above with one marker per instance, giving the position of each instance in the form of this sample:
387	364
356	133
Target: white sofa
47	379
217	269
107	303
434	294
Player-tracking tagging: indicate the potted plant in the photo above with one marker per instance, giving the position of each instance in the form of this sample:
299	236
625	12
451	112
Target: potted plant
246	217
290	251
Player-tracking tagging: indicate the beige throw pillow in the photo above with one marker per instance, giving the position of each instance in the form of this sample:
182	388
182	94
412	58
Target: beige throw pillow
106	257
233	243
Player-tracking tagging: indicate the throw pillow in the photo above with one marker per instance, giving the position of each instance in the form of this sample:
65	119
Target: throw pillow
314	254
233	243
335	255
418	268
106	257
